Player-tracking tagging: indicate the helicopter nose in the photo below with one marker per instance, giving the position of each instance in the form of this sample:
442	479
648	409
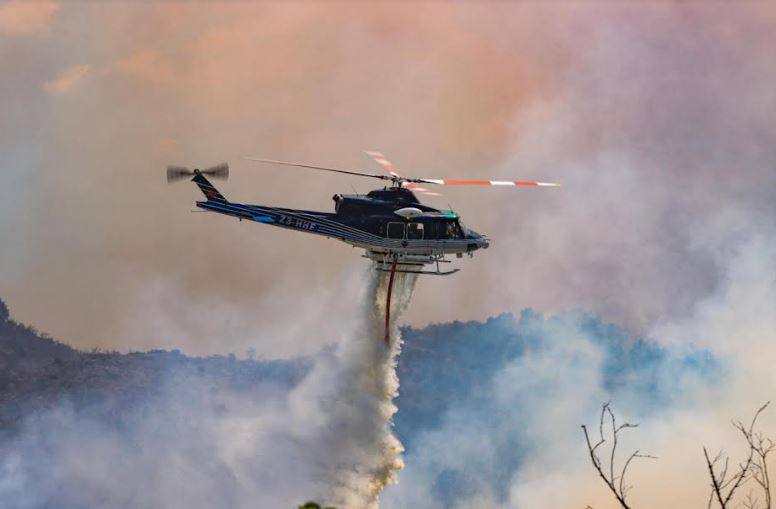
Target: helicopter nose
481	241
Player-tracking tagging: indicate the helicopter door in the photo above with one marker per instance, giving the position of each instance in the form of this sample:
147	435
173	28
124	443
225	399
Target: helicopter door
395	230
415	231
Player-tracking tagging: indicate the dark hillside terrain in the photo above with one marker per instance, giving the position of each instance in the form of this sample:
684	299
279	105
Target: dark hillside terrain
38	373
441	364
49	389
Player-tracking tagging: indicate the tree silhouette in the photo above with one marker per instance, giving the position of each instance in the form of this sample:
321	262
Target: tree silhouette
725	482
612	477
4	314
313	505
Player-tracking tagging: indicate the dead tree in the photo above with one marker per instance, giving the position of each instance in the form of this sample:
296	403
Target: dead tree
762	446
724	484
612	477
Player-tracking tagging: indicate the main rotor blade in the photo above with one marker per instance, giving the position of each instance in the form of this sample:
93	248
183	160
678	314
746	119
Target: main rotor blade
388	166
380	159
322	168
449	182
417	189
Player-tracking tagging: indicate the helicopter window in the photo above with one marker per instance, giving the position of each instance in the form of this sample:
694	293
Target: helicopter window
415	231
463	228
453	231
395	230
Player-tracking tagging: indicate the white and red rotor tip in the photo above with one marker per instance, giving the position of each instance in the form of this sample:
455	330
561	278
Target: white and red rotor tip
450	182
380	159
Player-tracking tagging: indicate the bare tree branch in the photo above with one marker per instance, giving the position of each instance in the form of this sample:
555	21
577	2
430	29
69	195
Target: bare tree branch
755	467
616	484
715	484
761	446
751	502
726	478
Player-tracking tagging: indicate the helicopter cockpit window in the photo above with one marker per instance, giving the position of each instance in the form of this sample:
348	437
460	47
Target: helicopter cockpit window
463	228
415	231
395	230
453	231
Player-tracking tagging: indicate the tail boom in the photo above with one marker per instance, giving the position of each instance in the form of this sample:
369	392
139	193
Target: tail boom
210	192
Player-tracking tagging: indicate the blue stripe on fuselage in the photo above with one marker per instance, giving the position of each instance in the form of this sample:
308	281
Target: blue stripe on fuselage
317	224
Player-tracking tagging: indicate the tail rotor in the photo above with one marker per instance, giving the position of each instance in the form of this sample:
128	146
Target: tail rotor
176	173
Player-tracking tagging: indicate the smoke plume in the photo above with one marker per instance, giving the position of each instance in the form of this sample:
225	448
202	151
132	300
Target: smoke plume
194	444
657	117
353	394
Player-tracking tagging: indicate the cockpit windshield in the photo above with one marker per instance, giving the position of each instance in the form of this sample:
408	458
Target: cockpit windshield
463	227
453	230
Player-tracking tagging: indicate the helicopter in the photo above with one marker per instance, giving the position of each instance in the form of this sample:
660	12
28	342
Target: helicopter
396	231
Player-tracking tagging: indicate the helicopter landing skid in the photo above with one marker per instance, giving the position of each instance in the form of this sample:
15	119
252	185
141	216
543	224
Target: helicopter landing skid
427	272
387	263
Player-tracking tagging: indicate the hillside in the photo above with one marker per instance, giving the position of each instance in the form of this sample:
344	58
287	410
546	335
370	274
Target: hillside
56	402
38	373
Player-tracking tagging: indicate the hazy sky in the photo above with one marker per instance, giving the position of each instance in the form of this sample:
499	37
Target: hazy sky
656	117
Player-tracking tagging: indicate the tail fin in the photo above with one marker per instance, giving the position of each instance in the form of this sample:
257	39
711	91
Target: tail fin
210	192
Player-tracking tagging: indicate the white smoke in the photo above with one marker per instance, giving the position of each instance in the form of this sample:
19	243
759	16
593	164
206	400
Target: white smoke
332	438
354	394
196	445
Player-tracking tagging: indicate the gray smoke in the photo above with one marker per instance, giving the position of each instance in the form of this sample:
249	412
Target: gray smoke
330	437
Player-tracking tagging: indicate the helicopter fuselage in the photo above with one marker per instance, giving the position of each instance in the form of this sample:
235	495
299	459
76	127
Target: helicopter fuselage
389	224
